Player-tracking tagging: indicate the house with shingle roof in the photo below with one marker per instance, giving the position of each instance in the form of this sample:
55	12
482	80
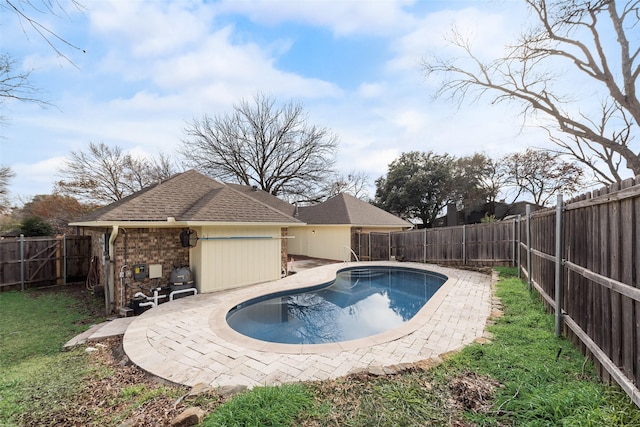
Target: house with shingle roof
229	235
333	227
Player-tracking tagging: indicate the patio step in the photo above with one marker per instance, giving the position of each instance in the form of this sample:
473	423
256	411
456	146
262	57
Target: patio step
101	331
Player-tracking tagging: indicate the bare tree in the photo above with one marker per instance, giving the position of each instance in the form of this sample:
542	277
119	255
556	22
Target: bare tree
600	42
162	167
103	174
264	144
5	177
604	163
29	13
354	183
541	174
15	84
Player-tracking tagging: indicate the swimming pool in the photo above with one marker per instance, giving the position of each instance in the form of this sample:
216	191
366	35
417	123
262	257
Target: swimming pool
360	302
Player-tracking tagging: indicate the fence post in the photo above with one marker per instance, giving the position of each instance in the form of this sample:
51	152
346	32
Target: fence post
559	240
370	247
64	259
424	246
528	237
464	244
22	266
518	246
513	245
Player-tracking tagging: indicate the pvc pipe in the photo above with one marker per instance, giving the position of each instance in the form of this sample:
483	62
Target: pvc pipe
111	275
147	304
194	291
122	284
245	237
155	296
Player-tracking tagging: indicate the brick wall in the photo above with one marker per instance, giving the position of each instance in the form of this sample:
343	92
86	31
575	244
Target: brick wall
140	246
148	246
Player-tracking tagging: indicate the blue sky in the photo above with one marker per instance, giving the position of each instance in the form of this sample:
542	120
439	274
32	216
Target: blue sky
150	66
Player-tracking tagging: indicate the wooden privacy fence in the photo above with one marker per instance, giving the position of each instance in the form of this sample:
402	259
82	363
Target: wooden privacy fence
583	258
477	244
27	262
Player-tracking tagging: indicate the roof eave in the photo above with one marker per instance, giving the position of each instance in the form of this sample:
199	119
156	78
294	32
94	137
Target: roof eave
246	223
136	224
176	224
364	225
383	225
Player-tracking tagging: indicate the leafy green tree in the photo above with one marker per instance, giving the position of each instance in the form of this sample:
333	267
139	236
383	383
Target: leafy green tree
476	184
418	185
34	226
57	210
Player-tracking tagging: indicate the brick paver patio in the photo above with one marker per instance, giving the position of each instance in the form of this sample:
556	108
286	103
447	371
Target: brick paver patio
188	340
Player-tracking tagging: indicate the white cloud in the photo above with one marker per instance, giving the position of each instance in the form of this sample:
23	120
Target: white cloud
371	90
208	61
162	63
342	17
486	30
34	178
151	29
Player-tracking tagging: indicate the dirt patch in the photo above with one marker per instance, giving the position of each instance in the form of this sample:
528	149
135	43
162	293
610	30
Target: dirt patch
473	392
480	269
118	391
164	402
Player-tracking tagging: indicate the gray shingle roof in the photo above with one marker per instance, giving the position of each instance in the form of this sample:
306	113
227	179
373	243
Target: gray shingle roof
266	198
346	209
190	196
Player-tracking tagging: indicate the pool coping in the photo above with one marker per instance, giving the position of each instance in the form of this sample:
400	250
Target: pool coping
218	319
187	341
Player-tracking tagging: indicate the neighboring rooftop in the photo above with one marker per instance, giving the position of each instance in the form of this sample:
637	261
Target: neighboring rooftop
265	197
346	209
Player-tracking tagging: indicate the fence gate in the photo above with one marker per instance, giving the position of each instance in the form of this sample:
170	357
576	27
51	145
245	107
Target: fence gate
27	262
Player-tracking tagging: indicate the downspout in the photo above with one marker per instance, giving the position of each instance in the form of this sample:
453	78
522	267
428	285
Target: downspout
109	291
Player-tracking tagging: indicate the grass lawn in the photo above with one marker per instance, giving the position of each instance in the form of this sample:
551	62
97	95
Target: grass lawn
524	377
36	377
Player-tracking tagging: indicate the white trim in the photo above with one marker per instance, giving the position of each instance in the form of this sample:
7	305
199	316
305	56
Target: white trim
179	224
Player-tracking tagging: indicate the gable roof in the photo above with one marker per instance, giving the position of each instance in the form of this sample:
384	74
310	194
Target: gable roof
189	197
266	198
345	209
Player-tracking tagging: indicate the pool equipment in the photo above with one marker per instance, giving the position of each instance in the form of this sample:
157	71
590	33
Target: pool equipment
181	283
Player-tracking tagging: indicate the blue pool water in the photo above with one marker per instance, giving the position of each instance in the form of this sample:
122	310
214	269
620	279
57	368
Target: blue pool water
359	303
